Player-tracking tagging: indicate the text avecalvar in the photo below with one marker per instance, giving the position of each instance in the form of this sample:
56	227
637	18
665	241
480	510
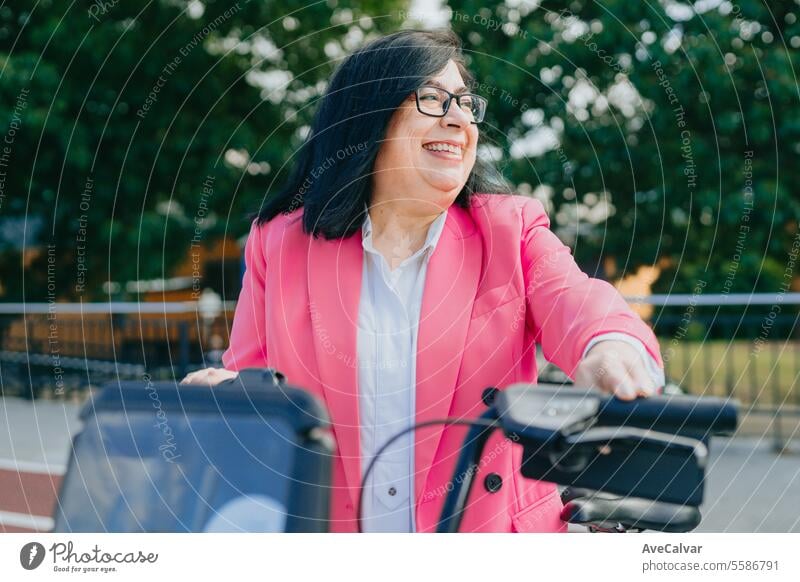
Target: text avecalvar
671	549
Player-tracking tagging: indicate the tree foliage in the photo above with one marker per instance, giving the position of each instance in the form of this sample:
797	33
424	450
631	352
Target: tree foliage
169	120
678	121
658	132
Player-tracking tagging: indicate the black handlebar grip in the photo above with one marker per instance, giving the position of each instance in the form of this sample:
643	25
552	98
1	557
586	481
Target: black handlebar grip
679	414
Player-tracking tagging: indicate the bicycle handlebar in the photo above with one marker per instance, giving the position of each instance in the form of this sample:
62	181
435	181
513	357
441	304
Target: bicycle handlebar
651	448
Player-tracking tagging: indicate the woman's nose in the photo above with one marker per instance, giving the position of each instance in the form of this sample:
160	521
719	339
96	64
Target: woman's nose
456	116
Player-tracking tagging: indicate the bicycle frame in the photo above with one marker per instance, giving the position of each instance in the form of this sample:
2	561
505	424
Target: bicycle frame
467	465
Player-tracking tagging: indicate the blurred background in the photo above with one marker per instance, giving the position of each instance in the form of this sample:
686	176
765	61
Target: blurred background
137	138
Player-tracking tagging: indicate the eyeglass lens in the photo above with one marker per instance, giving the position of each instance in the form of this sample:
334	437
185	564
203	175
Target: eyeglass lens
433	101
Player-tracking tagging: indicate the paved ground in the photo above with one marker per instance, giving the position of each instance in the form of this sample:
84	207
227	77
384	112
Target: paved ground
749	489
37	433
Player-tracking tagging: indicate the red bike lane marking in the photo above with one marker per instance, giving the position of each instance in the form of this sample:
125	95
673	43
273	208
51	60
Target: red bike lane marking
25	492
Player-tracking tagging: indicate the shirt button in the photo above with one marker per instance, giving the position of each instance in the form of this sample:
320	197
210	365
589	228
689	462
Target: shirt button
392	491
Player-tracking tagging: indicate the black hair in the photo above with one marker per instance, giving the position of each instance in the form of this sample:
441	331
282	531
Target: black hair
331	177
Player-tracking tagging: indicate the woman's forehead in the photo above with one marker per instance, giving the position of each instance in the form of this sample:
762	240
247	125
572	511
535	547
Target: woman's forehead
437	83
450	75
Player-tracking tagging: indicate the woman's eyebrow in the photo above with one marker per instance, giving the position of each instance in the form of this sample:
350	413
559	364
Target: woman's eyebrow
436	83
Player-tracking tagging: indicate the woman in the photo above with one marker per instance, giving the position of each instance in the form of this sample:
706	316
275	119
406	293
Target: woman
397	282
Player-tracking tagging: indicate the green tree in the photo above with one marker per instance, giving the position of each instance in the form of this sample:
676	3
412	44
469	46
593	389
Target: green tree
137	124
676	121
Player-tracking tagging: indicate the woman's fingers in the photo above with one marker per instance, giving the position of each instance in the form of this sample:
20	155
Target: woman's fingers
196	376
615	367
208	377
607	374
612	376
642	380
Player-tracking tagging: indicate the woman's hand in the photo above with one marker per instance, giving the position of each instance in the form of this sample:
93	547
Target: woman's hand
617	368
209	377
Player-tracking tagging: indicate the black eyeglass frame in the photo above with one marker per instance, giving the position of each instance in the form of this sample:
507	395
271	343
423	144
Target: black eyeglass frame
450	98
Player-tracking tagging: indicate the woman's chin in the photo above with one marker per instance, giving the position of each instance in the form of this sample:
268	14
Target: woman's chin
446	184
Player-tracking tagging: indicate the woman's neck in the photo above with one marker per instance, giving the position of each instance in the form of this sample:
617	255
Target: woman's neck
396	232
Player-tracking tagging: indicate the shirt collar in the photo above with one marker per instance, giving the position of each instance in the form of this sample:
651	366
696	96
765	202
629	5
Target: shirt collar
434	232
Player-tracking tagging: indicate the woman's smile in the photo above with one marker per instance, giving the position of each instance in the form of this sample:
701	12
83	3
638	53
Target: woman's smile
445	150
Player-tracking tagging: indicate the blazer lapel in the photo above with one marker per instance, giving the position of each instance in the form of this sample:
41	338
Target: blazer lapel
450	286
334	289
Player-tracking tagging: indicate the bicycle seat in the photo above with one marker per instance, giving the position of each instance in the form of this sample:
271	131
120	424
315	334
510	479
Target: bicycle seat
609	512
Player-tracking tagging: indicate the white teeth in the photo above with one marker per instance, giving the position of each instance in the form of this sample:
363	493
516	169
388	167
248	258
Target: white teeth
443	147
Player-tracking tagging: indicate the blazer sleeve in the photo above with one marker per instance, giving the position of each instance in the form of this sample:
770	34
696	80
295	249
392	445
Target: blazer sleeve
248	340
565	307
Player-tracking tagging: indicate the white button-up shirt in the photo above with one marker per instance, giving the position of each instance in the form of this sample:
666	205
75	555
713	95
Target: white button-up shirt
388	319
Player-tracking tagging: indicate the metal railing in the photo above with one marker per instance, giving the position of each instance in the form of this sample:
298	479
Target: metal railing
737	345
64	347
743	346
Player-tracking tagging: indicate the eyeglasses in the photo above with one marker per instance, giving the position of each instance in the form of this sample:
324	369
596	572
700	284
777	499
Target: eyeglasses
435	101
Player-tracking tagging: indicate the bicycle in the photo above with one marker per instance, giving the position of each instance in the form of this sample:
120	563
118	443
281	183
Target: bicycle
137	476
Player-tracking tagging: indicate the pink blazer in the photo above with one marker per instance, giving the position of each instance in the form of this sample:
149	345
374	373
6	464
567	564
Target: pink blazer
498	282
